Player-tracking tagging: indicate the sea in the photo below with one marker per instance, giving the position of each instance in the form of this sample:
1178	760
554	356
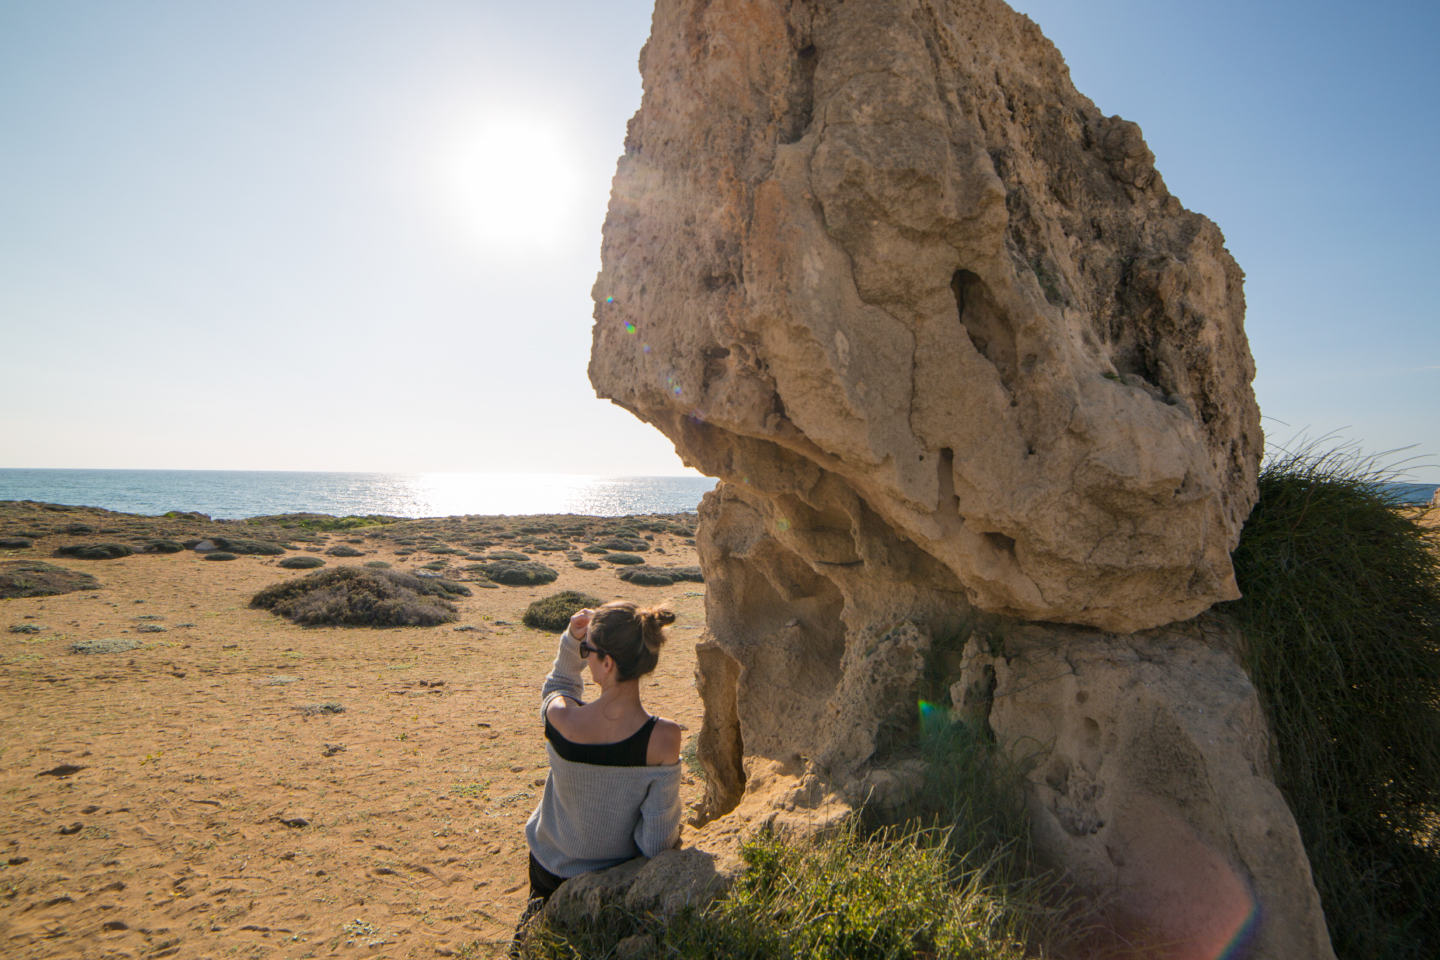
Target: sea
237	494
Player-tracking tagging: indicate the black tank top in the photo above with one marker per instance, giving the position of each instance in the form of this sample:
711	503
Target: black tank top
630	752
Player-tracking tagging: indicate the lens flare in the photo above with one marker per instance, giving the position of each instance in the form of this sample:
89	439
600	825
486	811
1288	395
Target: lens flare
782	525
629	327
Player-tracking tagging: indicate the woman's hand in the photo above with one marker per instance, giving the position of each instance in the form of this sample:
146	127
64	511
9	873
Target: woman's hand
580	624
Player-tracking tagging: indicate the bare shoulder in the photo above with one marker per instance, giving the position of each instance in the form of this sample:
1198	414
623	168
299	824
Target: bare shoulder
664	743
560	711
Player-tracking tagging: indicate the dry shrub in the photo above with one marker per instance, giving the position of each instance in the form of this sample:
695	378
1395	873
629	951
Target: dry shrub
35	578
361	597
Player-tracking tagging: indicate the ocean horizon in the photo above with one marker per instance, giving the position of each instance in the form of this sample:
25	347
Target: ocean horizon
238	494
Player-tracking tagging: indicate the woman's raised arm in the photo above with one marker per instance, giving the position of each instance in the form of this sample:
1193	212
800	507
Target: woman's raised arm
565	679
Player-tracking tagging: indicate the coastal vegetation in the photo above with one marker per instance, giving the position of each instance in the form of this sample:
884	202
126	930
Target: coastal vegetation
553	613
1341	615
361	597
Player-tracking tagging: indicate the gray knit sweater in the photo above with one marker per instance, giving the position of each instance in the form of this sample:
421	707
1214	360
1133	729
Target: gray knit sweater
593	817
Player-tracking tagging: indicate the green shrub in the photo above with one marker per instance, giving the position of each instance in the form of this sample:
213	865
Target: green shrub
344	551
595	549
646	577
631	544
162	546
516	574
95	551
220	555
587	565
357	597
1341	617
624	559
508	555
35	578
374	564
653	576
301	563
254	548
15	543
554	612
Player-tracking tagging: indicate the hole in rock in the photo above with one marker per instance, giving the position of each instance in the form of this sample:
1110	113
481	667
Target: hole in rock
985	324
800	97
1001	542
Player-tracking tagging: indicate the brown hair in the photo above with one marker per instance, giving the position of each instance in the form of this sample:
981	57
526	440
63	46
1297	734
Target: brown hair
631	636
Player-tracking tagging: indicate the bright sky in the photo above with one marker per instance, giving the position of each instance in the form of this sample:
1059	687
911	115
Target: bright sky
350	235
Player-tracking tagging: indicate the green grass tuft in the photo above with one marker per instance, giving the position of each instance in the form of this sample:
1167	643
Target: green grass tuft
1341	615
842	896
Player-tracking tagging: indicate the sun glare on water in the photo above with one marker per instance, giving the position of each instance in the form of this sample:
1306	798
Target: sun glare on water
515	183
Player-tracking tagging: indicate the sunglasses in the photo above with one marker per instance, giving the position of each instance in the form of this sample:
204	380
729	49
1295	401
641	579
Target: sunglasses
586	650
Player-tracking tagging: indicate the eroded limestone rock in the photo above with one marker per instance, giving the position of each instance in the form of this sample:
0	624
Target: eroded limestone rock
1148	778
888	243
955	352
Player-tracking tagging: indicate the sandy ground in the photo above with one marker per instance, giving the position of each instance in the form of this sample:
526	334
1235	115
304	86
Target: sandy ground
218	811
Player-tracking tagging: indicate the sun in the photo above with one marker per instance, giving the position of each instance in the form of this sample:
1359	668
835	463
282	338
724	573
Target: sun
515	182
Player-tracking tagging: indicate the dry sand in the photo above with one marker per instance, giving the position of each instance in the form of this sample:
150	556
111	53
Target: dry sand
218	810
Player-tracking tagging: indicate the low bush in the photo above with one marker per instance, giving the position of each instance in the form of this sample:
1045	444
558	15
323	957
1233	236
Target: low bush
162	546
631	544
508	555
554	612
35	578
220	555
513	573
1341	617
95	551
344	551
646	577
357	597
587	565
106	645
302	563
596	549
624	559
252	548
374	564
15	543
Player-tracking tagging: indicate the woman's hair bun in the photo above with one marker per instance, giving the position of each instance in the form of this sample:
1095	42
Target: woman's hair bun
652	624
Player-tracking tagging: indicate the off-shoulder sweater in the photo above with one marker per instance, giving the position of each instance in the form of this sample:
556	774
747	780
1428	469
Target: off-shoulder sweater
593	817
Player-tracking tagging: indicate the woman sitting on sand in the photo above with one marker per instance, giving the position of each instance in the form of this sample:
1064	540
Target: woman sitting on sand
614	787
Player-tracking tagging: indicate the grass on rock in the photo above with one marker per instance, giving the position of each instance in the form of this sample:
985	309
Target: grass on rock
1341	615
359	597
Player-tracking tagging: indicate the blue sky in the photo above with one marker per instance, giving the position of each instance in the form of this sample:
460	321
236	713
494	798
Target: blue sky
251	235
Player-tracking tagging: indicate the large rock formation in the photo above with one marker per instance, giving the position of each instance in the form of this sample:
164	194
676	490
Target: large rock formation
889	242
956	355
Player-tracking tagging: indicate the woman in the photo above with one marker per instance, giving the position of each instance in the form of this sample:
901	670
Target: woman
614	787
